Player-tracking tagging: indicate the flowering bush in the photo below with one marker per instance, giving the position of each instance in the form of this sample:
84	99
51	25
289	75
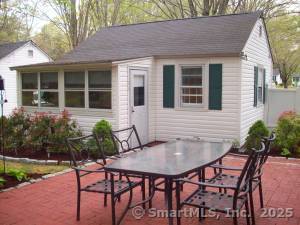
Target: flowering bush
16	129
40	130
288	133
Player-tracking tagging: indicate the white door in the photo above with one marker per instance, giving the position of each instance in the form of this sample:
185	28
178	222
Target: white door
139	109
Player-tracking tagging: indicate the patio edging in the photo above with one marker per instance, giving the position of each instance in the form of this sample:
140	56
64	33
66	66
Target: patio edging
35	161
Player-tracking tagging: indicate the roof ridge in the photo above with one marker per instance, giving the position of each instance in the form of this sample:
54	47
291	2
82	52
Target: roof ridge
259	12
17	42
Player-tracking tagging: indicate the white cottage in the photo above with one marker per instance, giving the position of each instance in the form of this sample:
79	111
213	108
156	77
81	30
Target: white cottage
14	54
203	77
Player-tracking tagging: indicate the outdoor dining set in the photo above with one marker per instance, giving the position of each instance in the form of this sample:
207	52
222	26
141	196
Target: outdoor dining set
168	168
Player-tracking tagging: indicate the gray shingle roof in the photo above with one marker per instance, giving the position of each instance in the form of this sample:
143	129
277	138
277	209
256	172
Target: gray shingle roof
8	48
202	36
218	35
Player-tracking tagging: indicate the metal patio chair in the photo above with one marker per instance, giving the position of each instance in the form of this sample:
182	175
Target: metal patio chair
89	148
221	177
223	202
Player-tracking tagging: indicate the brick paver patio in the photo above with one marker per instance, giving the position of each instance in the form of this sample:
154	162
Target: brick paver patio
53	201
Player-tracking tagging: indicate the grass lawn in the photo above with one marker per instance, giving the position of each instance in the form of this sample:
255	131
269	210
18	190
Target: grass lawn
32	168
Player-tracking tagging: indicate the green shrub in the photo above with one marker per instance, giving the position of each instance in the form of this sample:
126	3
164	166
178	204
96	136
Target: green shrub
256	132
18	174
288	133
2	181
103	128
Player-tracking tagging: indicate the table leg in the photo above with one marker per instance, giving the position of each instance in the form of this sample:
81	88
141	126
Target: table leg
168	194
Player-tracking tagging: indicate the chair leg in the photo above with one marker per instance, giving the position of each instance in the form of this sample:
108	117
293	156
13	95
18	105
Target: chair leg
261	198
78	205
252	208
247	212
113	209
143	192
105	200
149	191
235	221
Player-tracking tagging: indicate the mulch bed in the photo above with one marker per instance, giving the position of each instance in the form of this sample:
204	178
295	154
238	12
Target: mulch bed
12	182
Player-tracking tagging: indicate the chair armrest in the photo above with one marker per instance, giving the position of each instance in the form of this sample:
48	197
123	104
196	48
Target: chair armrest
93	171
184	180
219	166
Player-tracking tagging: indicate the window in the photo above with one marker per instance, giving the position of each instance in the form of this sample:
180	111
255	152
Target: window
74	89
260	85
46	91
30	53
260	31
30	89
191	88
139	90
49	89
99	89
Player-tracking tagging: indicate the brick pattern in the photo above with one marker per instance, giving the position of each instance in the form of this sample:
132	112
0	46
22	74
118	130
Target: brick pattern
53	201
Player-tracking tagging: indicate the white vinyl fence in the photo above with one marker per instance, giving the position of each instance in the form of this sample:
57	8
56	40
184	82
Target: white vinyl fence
279	101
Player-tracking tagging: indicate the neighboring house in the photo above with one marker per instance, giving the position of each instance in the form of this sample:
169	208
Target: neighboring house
203	77
276	77
14	54
296	80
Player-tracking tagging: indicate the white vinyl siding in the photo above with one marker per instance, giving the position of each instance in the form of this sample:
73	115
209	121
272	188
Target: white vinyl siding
178	122
258	54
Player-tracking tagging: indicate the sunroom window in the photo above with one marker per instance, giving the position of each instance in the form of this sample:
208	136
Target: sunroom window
49	89
99	89
30	89
74	89
191	88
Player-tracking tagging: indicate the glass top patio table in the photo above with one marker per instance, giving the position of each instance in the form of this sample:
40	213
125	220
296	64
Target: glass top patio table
172	159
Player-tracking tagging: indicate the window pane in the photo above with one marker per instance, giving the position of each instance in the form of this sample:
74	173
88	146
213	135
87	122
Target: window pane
74	79
29	81
74	99
49	99
49	80
192	71
192	80
139	96
99	79
100	99
185	99
29	98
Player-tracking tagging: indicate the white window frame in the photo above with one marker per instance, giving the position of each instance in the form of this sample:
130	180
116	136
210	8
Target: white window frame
97	89
192	105
47	90
86	90
260	83
39	90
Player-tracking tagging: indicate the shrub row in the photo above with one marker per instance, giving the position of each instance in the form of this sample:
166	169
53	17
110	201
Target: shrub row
38	130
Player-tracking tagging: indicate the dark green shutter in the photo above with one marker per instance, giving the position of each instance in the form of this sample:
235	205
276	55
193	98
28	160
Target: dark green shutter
264	87
255	85
215	86
168	86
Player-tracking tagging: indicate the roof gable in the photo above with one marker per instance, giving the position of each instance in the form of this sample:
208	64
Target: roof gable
214	35
7	48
